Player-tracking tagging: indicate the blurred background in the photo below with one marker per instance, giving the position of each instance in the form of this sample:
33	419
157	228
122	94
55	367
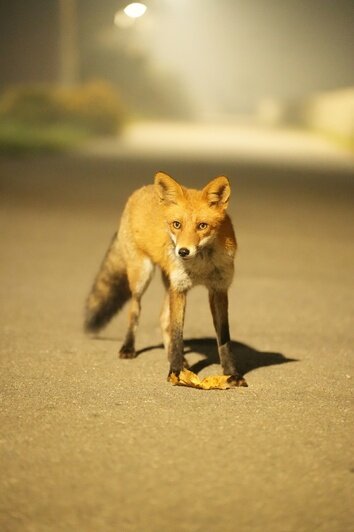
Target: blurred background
91	67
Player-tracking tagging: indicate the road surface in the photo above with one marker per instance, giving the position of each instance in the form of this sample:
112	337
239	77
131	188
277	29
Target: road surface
90	442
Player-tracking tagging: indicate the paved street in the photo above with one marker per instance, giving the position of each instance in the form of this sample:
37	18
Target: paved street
90	442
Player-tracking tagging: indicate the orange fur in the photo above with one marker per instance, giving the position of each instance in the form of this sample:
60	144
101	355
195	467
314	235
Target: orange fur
188	234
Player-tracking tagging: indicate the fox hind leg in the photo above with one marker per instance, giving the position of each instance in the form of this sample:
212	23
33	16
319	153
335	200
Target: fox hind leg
139	277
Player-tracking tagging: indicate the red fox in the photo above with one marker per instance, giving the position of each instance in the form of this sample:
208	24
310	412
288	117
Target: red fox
189	235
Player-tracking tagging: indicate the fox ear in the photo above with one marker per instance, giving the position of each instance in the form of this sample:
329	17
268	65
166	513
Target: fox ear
167	189
217	192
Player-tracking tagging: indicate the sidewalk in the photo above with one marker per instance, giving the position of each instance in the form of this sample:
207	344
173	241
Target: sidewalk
226	142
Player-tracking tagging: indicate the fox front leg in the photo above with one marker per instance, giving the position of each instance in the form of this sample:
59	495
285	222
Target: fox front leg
219	308
175	348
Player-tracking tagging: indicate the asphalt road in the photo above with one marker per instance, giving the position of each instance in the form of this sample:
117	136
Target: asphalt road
90	442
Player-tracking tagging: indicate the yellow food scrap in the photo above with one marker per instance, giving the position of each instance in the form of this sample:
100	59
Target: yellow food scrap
217	382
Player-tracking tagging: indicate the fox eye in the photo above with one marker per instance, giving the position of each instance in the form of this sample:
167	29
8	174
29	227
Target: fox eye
176	224
202	225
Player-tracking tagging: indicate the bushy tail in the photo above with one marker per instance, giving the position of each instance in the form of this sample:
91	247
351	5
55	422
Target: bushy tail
110	290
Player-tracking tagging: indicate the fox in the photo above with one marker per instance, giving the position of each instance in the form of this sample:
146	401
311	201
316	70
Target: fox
189	236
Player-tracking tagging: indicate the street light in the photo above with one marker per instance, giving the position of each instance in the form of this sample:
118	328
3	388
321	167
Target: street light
135	10
126	17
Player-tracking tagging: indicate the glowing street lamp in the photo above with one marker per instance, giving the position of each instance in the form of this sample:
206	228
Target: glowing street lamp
135	10
125	18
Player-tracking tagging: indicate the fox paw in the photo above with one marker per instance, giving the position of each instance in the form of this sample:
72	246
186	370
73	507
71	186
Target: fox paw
173	376
237	380
127	352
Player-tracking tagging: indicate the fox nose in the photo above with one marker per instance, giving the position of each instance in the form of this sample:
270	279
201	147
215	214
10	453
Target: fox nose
183	252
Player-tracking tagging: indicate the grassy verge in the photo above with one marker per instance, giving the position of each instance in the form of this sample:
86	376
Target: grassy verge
17	138
47	118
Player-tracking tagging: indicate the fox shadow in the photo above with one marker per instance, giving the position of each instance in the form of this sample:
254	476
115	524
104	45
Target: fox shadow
247	358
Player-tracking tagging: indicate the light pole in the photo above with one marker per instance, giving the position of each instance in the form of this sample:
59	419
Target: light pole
68	46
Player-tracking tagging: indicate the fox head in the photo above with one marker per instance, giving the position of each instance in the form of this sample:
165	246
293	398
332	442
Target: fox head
193	217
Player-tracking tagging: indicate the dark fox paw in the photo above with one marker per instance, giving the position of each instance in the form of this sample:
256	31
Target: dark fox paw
127	352
237	380
173	376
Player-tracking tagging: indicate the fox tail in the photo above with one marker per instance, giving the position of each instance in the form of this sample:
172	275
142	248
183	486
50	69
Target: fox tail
110	290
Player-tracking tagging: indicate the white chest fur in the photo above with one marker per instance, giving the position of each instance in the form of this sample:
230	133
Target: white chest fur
210	267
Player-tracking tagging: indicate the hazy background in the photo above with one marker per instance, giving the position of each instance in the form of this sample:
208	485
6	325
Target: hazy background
185	59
